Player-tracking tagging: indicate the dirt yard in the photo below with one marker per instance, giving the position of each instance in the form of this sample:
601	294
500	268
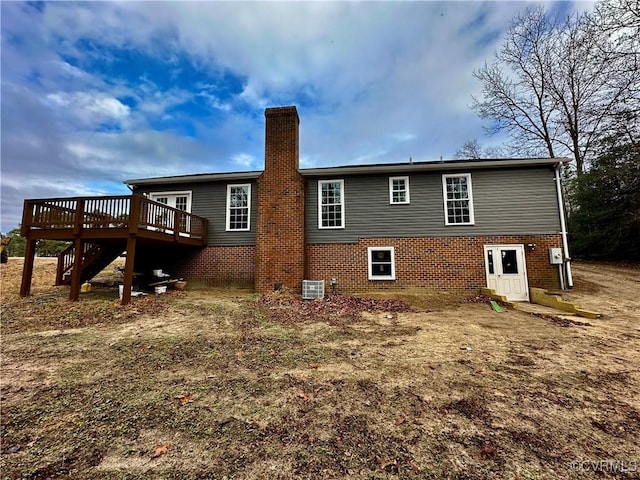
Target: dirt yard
223	384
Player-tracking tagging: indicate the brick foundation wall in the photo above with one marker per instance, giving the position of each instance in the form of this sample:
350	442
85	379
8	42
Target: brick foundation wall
280	220
450	263
219	266
446	262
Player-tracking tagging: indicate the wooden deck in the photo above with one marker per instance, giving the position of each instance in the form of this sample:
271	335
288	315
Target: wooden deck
125	220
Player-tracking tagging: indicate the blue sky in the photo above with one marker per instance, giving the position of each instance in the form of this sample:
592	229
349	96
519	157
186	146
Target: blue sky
96	93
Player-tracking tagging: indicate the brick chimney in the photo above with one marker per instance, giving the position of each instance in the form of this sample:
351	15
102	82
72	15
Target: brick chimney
280	230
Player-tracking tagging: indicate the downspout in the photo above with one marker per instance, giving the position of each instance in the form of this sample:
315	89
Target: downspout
563	230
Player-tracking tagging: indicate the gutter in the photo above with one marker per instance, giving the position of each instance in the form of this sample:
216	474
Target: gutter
450	165
563	229
195	178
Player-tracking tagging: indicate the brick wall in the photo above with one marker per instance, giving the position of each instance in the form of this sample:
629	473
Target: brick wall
455	263
280	224
219	266
444	262
281	257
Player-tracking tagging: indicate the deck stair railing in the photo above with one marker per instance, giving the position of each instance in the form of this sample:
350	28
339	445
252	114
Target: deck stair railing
95	257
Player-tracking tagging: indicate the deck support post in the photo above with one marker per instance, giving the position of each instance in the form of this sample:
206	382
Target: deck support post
76	273
128	269
27	271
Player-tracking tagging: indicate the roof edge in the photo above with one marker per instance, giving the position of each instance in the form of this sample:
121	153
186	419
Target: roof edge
434	166
194	178
360	169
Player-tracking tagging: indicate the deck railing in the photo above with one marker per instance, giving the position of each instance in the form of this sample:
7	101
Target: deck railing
130	212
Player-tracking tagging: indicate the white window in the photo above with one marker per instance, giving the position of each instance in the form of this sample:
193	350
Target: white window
458	199
398	190
331	204
238	207
381	263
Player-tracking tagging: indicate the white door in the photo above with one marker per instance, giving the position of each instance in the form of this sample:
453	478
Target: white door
506	270
179	200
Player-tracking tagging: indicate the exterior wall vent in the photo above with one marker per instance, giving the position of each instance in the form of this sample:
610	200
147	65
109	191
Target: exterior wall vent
312	289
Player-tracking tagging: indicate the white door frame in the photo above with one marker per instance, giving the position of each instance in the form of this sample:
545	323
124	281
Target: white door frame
171	202
502	282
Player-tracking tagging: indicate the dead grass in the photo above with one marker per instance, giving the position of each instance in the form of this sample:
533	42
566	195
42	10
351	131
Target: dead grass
451	391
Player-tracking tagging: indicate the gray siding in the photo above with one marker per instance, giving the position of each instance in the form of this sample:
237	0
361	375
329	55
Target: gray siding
209	200
506	202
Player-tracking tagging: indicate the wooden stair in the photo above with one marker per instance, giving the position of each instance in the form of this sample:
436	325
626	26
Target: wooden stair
95	258
103	228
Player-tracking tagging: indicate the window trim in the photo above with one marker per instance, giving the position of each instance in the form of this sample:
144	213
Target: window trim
228	208
370	263
407	196
342	203
182	193
470	199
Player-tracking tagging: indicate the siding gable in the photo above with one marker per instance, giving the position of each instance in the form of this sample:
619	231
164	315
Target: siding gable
209	200
516	201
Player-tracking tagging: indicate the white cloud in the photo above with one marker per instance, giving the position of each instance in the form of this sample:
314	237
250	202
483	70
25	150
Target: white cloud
244	160
373	81
155	102
91	108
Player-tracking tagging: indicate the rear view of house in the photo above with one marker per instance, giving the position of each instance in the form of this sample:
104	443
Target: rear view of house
454	225
460	225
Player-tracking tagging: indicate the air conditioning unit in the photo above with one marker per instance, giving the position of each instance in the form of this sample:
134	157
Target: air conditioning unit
312	289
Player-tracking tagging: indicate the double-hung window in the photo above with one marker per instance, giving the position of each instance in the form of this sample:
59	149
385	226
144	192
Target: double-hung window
398	190
238	207
331	204
381	263
458	199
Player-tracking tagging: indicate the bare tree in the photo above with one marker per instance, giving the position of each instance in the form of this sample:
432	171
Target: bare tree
515	94
471	149
560	86
618	22
593	86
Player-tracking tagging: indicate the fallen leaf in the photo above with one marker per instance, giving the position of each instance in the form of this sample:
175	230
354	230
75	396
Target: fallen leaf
383	463
487	451
305	396
184	399
160	450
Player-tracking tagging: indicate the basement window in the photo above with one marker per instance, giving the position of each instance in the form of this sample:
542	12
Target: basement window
398	190
381	263
331	204
238	201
